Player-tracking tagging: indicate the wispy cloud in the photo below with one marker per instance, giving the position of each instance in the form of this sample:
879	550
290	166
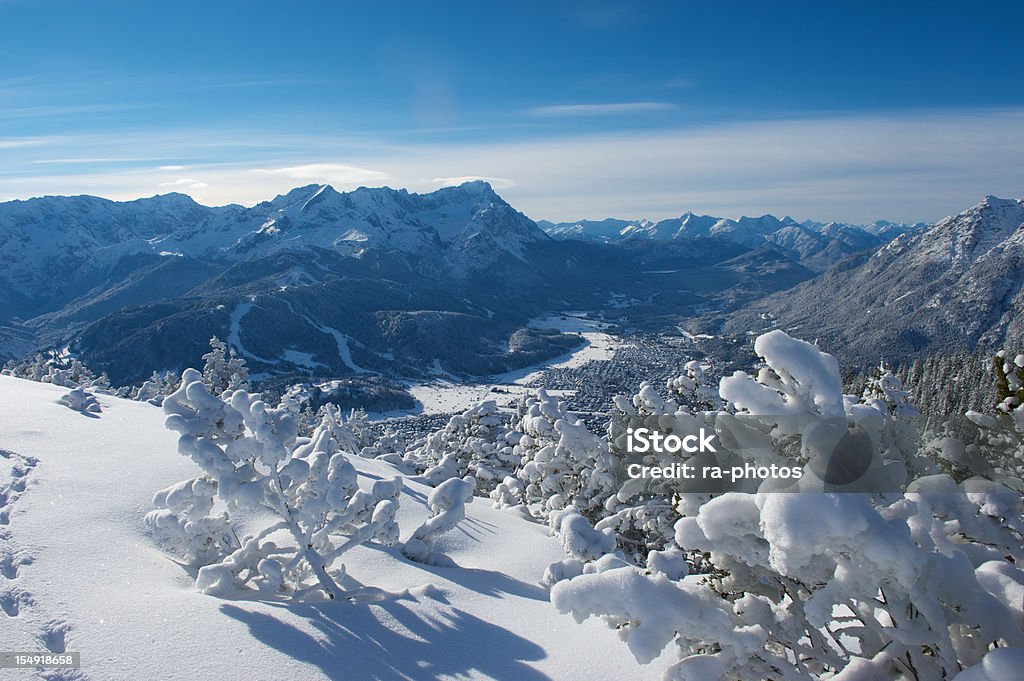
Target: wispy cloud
10	143
185	183
225	83
87	161
599	109
57	110
678	83
333	173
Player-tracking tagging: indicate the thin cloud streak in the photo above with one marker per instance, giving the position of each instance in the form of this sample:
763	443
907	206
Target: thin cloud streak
24	142
56	110
336	173
185	182
91	161
599	109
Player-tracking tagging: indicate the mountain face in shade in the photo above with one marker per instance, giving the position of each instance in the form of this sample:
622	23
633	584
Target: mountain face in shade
957	284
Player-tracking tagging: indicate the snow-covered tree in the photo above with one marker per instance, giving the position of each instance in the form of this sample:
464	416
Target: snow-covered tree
813	584
887	389
793	410
642	511
1009	380
557	452
694	388
251	457
479	442
387	447
59	368
223	369
156	388
447	503
509	493
909	580
80	400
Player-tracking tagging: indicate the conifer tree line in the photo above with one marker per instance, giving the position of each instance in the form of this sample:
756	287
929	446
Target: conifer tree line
942	383
939	384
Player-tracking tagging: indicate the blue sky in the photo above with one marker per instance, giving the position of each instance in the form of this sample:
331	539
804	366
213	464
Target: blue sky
825	110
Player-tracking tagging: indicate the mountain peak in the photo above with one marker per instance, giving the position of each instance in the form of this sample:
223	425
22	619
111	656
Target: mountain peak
476	190
478	186
996	202
171	197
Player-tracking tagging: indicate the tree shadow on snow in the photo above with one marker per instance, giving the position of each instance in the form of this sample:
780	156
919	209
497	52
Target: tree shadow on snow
87	414
475	528
482	581
388	640
488	582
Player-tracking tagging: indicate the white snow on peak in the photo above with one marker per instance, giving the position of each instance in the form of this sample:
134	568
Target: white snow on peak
69	232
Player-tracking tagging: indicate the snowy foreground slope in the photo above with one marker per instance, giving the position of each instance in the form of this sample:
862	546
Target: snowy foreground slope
78	572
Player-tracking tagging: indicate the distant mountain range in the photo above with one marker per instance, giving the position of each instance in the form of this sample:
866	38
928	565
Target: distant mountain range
956	285
387	282
816	245
457	230
319	282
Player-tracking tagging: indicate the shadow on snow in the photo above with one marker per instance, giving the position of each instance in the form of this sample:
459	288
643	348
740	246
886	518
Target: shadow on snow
389	640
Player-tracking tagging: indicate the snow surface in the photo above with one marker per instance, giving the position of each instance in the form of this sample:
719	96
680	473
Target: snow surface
235	335
78	572
448	397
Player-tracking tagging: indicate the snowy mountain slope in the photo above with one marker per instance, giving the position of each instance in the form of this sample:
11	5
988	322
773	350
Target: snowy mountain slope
79	573
71	262
81	235
605	230
816	245
955	285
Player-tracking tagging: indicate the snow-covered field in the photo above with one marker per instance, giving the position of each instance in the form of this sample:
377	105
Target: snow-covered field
79	573
446	397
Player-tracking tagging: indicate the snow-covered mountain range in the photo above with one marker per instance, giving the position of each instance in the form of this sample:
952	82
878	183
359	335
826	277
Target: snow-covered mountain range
372	281
816	245
323	282
466	228
954	285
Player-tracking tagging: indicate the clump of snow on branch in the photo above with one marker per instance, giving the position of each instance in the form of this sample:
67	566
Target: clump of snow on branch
581	542
798	379
447	503
186	525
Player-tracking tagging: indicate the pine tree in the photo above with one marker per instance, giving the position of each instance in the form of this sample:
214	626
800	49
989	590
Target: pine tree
1009	376
224	370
